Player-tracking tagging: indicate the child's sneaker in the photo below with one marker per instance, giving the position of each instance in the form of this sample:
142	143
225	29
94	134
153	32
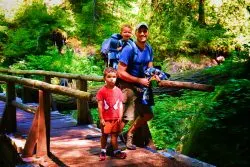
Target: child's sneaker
120	155
102	156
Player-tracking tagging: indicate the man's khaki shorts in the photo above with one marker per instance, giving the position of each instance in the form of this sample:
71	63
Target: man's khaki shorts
132	105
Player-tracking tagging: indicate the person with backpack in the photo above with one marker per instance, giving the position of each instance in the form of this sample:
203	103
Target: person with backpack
112	46
133	62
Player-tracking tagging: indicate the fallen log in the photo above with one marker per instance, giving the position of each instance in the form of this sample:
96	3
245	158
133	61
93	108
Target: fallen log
186	85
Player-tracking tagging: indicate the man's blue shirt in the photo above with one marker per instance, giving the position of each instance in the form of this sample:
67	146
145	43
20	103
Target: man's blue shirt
136	63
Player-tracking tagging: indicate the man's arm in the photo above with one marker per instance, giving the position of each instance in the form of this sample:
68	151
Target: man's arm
124	75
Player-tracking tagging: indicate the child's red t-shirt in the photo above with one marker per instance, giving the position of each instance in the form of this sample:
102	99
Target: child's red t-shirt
111	99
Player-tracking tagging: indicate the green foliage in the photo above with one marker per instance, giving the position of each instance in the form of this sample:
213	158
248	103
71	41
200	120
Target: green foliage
33	15
68	62
26	35
236	66
173	24
174	116
21	42
99	19
87	20
199	124
64	19
234	14
30	34
209	119
175	29
95	116
3	35
225	128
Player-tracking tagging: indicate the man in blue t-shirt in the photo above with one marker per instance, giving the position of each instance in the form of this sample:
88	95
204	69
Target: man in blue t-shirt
131	67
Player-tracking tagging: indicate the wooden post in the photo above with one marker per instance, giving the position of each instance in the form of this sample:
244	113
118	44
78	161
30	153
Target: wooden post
43	144
47	79
27	93
39	134
83	113
8	123
32	137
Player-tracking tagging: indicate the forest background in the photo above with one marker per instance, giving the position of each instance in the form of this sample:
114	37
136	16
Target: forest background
187	35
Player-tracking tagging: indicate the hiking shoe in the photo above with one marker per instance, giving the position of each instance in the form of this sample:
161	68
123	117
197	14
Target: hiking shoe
102	156
129	143
120	155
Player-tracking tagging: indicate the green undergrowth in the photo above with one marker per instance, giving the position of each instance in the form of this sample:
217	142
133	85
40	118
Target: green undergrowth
200	124
173	117
204	125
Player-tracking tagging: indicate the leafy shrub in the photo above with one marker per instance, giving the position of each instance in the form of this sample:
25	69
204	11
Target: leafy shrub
68	62
30	33
173	118
224	129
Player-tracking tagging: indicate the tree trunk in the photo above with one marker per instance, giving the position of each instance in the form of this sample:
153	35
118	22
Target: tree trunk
201	19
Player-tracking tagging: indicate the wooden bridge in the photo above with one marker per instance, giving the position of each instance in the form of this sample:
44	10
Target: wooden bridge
52	139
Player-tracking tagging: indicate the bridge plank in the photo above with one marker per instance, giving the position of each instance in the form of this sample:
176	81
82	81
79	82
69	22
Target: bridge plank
77	146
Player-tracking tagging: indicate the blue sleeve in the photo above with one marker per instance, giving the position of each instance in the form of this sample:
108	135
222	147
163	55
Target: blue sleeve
152	57
151	53
126	54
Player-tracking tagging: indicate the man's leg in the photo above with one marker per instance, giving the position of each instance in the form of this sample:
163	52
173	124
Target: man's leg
140	121
129	110
145	114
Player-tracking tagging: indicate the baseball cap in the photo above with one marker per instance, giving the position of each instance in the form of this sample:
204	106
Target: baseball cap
140	25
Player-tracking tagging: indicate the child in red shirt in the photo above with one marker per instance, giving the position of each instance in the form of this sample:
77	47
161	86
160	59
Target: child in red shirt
110	110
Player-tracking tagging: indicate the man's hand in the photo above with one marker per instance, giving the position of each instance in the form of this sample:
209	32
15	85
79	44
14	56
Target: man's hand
156	77
144	82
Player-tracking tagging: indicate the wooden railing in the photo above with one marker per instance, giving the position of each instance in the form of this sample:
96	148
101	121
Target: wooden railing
39	134
83	115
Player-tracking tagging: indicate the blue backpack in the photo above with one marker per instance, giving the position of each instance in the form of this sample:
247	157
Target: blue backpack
109	49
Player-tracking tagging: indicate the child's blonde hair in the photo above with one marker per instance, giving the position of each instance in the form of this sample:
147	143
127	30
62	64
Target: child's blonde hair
126	25
109	70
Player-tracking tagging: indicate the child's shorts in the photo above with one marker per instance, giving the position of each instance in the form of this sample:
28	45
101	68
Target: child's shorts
112	126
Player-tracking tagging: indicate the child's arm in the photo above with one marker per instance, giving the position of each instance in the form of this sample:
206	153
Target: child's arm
102	121
119	48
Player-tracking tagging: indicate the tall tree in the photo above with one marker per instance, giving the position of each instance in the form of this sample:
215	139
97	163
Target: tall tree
201	19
